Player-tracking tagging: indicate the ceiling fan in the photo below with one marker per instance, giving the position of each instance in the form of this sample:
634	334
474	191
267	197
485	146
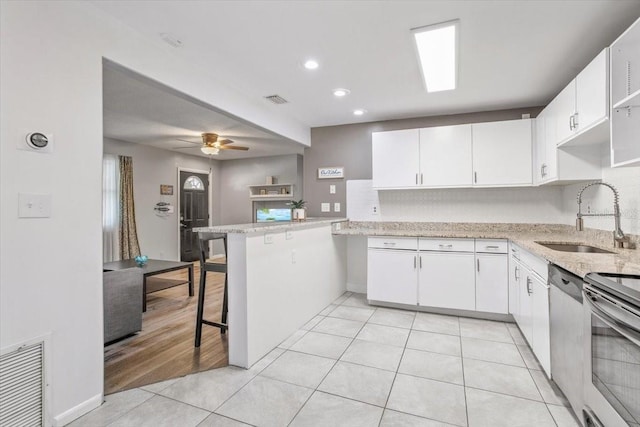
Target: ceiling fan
211	145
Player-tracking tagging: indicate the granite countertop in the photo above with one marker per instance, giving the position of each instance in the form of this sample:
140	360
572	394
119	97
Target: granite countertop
267	226
623	261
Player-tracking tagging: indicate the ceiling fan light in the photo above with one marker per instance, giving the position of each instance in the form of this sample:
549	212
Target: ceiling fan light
212	151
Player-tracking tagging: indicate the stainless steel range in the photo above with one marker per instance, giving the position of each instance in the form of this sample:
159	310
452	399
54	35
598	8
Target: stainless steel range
612	350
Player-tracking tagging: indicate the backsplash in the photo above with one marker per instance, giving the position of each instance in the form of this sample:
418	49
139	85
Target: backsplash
519	205
599	199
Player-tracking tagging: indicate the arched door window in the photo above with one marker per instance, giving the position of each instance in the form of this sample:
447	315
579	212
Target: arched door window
193	183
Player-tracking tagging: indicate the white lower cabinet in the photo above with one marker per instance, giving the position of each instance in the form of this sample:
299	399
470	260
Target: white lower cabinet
439	273
447	280
540	323
532	311
492	292
392	275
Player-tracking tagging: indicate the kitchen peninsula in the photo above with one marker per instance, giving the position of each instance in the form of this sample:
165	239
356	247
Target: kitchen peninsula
279	276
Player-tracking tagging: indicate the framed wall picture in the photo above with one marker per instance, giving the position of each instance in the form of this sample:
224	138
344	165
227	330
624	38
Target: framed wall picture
331	172
166	190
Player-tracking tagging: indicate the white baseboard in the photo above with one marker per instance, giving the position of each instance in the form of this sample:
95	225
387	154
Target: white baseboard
359	288
77	411
216	256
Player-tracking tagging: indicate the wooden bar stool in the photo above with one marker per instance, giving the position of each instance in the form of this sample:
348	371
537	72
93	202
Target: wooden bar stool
204	238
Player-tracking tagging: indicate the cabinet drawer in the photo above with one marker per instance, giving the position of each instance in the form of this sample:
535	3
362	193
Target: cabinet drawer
446	245
407	243
491	246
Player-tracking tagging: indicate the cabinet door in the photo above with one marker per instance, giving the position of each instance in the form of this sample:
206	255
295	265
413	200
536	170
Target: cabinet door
592	92
565	108
392	276
540	324
447	280
540	149
515	275
445	156
502	153
492	286
526	305
395	158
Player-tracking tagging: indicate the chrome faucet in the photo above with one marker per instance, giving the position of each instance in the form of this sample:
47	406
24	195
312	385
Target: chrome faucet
618	236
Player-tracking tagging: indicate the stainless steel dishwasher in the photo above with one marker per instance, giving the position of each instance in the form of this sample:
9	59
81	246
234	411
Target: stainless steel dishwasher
567	335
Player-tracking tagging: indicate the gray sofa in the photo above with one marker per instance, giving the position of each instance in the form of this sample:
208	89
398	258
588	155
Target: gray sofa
122	303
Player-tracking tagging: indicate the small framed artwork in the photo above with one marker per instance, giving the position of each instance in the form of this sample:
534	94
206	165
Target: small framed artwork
166	190
332	172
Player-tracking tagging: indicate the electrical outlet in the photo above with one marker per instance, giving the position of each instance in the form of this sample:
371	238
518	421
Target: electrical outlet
268	239
375	210
336	207
325	207
332	189
34	205
288	235
293	256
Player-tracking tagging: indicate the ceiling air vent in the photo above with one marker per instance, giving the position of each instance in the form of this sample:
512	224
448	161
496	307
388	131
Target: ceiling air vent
276	99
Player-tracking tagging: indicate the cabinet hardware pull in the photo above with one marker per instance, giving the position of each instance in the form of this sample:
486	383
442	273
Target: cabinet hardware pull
445	246
420	262
478	264
515	273
389	243
576	124
416	179
529	285
475	177
570	122
421	179
492	247
414	263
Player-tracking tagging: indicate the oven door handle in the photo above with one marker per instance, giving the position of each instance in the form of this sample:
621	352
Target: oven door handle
606	311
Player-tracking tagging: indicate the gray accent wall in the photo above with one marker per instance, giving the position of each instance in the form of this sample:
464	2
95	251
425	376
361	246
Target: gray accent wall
152	167
238	175
350	146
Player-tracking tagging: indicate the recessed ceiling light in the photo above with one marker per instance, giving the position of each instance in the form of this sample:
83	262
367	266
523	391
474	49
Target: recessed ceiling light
437	47
341	92
359	112
311	64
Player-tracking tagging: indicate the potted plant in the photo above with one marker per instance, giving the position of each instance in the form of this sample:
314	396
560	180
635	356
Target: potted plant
298	212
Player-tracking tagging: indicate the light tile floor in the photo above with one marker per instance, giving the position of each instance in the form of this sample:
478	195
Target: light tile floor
356	365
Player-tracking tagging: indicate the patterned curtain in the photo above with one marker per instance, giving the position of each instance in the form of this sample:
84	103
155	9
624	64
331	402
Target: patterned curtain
129	247
110	208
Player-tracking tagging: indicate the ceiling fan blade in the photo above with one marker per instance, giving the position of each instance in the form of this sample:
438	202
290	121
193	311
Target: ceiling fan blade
190	142
224	142
233	147
185	148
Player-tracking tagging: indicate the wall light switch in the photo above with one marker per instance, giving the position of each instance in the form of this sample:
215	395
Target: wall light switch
332	189
268	239
325	207
34	205
336	207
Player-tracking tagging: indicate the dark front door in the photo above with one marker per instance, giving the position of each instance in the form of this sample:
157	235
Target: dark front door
194	211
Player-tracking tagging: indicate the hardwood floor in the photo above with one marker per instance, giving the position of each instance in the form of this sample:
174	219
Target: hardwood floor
164	348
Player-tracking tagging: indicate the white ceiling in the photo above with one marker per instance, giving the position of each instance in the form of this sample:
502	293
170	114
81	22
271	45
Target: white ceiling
513	53
145	112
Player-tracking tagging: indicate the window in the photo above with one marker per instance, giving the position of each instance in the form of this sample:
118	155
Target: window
193	183
110	207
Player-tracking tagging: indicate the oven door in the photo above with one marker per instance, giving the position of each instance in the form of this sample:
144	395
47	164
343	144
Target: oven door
612	359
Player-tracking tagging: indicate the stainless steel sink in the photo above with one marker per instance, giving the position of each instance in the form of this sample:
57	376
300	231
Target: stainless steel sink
573	247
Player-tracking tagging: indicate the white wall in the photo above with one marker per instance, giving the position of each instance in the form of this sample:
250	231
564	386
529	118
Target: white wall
158	235
275	288
51	269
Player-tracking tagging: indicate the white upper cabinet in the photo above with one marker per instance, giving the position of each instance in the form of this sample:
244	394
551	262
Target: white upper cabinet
445	156
395	157
502	153
625	98
581	110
